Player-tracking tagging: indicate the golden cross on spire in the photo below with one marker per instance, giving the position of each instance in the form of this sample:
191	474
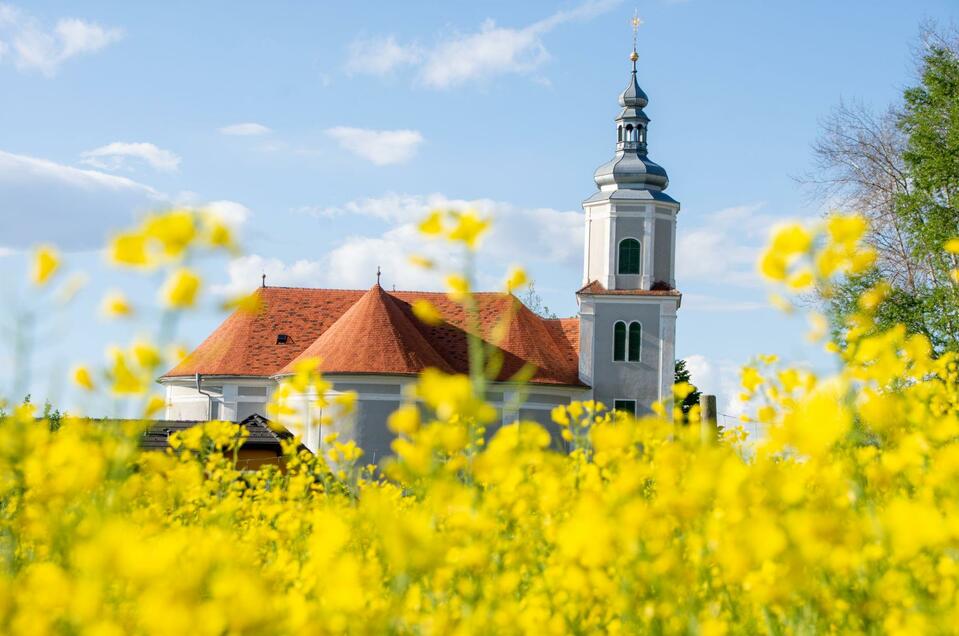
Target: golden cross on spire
636	22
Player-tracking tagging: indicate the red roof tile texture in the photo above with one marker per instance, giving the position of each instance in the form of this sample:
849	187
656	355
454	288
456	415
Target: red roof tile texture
376	332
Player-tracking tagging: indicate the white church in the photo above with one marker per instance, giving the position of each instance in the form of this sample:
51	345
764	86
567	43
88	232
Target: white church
619	350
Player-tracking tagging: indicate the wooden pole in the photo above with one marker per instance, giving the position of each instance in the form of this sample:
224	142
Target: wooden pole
709	427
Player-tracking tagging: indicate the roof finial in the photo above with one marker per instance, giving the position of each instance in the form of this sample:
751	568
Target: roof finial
636	22
377	275
263	280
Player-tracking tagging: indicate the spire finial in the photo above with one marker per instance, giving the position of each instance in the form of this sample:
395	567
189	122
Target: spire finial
263	279
378	275
636	22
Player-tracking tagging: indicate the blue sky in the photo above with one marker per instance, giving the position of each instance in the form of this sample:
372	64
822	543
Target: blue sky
325	130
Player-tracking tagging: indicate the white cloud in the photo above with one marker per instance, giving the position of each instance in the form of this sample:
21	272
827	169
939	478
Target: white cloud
245	129
722	248
719	378
76	209
379	56
230	212
72	207
117	156
538	236
382	147
38	48
245	273
705	302
461	57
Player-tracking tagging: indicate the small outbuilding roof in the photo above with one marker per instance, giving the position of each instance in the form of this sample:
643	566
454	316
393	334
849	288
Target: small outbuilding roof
262	436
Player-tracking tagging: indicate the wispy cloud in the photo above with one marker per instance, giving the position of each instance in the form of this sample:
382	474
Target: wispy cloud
379	56
722	247
541	237
381	147
245	129
118	156
706	302
460	57
34	47
72	207
719	378
76	209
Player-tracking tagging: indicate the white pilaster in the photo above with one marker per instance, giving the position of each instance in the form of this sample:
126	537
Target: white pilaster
649	245
228	407
667	351
611	248
586	251
672	255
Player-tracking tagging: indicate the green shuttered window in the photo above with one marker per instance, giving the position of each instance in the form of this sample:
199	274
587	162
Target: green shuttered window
629	256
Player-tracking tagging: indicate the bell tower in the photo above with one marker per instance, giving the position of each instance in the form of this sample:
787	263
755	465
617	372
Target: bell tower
629	300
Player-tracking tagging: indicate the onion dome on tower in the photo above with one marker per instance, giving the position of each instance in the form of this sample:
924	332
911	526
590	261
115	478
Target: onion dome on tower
632	168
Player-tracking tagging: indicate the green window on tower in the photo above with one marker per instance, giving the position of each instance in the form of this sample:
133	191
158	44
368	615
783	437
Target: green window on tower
619	342
629	256
626	406
635	340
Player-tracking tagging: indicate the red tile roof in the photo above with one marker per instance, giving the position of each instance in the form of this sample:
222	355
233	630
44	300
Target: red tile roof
376	332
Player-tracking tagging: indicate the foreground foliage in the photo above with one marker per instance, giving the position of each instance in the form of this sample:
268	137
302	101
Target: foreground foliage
844	518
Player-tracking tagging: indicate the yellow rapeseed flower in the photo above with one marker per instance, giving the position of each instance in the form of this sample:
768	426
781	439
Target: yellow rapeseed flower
46	261
427	312
515	279
115	304
846	229
458	287
245	303
129	249
952	246
404	420
181	288
422	261
83	378
469	228
791	239
173	230
432	225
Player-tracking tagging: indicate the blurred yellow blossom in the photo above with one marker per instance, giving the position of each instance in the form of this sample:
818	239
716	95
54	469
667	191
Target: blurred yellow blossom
427	312
46	261
180	289
458	287
115	304
515	279
432	224
422	261
469	228
83	378
129	249
173	230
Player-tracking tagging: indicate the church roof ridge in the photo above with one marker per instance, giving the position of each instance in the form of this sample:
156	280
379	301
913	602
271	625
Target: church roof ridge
373	334
247	343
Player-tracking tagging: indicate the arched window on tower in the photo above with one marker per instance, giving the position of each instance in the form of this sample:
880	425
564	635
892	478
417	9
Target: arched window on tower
619	342
642	135
635	341
629	133
619	133
628	256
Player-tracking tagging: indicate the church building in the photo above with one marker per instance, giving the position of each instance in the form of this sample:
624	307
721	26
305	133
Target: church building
619	350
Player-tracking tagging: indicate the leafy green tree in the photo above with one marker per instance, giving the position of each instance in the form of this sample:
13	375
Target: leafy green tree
682	375
901	170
